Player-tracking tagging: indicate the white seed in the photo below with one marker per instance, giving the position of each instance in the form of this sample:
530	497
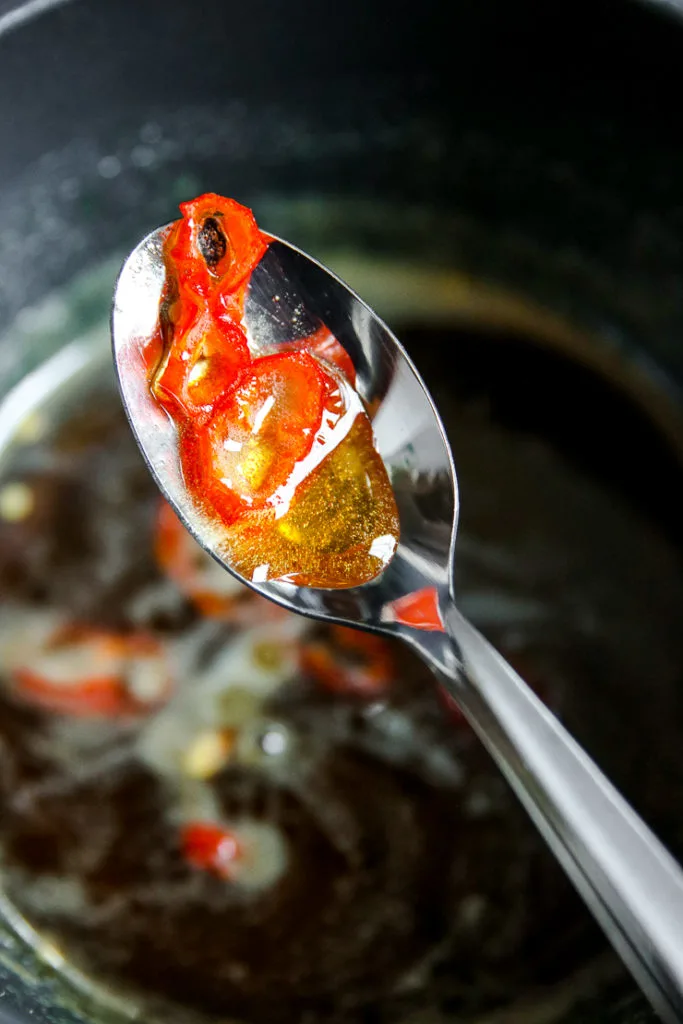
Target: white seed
206	755
17	501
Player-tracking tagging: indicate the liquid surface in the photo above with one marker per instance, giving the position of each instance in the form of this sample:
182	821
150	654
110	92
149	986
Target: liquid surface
249	818
269	442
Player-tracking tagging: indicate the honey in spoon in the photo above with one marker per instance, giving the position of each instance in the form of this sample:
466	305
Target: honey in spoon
276	449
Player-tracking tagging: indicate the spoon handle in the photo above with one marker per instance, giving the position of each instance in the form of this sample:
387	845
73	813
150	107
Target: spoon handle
629	881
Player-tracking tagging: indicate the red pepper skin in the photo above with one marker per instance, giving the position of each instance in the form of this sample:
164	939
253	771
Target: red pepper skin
105	692
290	389
263	436
358	664
209	847
244	245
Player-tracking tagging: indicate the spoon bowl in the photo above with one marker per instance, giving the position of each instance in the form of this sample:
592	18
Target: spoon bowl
629	881
289	295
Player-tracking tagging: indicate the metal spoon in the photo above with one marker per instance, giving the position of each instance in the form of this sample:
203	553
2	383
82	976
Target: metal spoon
632	885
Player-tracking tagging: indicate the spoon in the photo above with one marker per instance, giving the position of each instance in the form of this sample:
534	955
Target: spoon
629	881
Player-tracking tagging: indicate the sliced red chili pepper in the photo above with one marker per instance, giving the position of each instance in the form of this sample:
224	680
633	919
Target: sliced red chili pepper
267	423
210	847
244	424
215	246
201	363
98	697
356	663
88	672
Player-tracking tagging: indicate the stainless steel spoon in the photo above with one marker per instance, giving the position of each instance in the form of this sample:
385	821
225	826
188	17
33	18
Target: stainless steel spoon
632	885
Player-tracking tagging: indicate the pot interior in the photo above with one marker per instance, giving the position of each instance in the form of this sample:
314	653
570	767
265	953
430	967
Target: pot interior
397	877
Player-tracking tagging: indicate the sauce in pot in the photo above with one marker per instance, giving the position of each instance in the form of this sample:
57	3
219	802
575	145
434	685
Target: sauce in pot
217	810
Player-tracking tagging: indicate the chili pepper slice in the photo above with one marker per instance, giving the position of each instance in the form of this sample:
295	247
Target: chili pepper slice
353	663
200	364
246	423
210	847
267	423
215	246
87	672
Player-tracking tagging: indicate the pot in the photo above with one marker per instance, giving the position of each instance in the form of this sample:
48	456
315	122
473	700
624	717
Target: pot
503	184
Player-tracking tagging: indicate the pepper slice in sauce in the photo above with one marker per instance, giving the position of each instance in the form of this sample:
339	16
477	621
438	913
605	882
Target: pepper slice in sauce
210	847
276	448
86	672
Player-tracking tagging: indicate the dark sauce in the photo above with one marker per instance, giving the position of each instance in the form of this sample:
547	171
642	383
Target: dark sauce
413	881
